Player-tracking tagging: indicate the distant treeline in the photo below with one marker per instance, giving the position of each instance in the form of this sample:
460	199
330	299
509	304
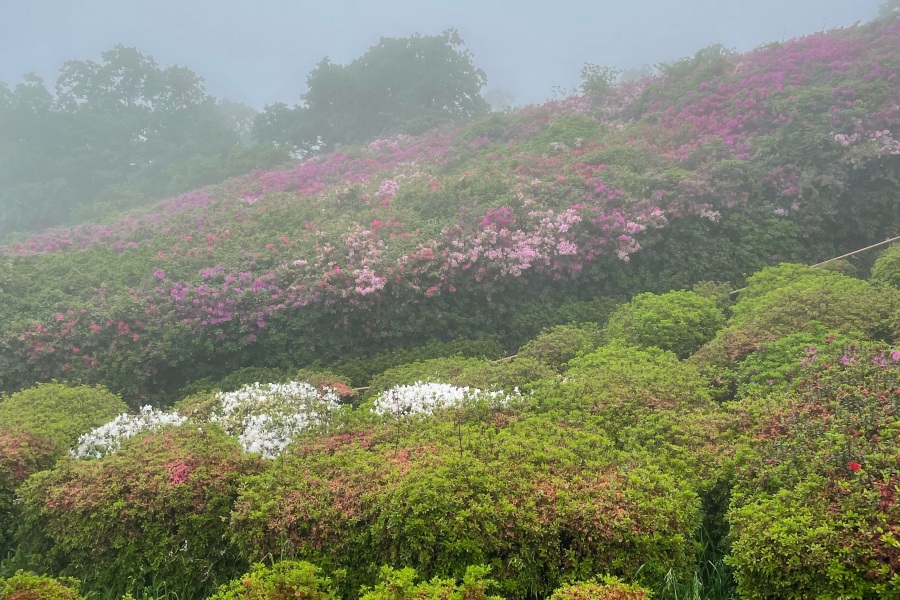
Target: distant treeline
122	132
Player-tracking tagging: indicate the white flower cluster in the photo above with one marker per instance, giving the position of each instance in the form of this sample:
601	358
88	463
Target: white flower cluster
425	398
267	417
108	438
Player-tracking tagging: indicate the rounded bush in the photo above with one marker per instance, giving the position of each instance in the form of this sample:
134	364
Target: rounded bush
679	322
27	586
156	509
789	300
776	363
284	579
400	584
604	588
814	510
59	412
451	370
556	346
886	269
21	454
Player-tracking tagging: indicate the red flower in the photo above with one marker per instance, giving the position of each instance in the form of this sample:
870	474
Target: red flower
854	466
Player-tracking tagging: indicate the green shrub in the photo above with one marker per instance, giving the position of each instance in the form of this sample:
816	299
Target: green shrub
623	377
556	346
360	371
776	363
452	370
283	580
540	502
400	584
791	299
643	400
507	375
814	509
604	588
21	454
157	509
481	374
844	267
27	586
716	290
679	322
886	269
59	412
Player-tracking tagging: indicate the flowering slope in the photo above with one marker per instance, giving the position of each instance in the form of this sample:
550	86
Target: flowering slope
718	166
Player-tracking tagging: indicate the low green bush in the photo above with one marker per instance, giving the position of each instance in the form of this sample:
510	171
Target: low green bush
791	299
540	502
603	588
27	586
59	412
360	371
679	322
283	580
814	512
157	509
774	364
400	584
886	269
21	454
556	346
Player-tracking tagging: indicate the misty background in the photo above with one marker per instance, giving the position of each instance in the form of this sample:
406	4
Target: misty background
260	52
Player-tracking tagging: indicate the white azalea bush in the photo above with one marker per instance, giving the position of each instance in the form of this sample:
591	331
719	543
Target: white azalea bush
108	438
426	397
267	417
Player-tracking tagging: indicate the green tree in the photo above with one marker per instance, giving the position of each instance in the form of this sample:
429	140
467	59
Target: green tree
400	85
117	130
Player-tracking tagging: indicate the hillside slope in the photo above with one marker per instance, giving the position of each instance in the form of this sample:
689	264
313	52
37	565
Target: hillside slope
723	164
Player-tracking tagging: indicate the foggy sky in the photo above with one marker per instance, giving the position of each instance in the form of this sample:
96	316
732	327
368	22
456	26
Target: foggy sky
260	52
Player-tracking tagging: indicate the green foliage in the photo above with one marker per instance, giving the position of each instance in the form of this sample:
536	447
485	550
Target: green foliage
845	267
28	586
283	580
814	512
602	588
21	454
59	412
643	400
679	322
789	299
482	374
452	370
886	269
538	501
774	364
155	510
597	79
400	85
119	131
360	371
718	291
400	584
556	346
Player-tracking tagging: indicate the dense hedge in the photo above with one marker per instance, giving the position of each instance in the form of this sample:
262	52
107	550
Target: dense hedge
490	488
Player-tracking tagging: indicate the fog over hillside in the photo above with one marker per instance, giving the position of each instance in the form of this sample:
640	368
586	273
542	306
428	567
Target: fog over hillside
259	53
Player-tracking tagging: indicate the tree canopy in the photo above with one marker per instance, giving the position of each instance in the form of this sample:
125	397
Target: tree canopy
400	85
120	131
